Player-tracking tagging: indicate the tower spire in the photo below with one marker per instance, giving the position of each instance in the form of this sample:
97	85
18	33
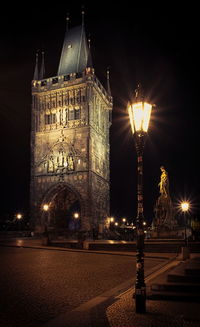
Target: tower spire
89	41
83	15
42	69
108	82
35	76
67	20
75	55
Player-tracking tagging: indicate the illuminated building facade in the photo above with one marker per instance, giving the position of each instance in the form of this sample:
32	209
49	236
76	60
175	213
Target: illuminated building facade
70	150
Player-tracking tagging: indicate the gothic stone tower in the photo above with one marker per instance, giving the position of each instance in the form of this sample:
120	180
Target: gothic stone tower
71	117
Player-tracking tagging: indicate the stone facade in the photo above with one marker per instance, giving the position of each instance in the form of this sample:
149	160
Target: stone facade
71	117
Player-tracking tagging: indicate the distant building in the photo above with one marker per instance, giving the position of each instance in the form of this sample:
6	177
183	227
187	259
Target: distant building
70	149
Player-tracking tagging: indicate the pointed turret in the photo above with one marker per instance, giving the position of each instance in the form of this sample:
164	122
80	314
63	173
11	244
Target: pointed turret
108	82
35	76
42	68
75	56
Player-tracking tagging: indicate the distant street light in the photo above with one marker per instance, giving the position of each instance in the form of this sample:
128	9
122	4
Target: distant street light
19	216
139	114
185	207
45	207
76	215
46	240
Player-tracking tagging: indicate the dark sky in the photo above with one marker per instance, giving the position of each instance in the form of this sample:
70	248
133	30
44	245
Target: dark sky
156	45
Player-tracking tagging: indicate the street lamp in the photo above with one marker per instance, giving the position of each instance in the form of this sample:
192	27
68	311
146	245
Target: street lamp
139	114
19	218
185	207
45	207
76	215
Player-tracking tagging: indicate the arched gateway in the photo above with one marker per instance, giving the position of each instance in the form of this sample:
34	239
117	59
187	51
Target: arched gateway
65	208
71	118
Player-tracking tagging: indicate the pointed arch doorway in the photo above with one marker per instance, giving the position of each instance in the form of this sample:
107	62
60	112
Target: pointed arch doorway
64	214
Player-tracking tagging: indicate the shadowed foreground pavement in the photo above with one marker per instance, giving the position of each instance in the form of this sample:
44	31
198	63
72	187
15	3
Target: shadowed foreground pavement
52	287
38	284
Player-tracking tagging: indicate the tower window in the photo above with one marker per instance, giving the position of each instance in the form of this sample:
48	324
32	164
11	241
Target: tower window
79	75
66	77
77	114
43	83
55	80
47	119
50	119
74	114
71	115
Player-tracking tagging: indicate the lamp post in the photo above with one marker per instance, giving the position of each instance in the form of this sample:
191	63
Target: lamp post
19	218
46	234
76	217
185	207
139	114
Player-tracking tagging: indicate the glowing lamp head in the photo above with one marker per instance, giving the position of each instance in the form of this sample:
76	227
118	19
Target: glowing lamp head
185	206
76	215
139	114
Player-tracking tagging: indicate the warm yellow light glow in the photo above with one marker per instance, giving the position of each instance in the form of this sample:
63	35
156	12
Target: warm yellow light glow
76	215
112	219
116	224
45	207
139	114
19	216
184	206
124	220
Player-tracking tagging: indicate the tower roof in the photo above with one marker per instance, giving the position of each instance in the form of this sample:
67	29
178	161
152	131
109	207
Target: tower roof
35	76
75	56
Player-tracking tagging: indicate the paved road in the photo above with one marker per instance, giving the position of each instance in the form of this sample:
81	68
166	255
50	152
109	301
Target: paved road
37	285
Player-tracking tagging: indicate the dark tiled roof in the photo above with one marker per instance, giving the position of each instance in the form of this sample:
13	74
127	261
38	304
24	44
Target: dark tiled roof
75	56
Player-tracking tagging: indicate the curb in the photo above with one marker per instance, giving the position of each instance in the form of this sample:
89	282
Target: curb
128	254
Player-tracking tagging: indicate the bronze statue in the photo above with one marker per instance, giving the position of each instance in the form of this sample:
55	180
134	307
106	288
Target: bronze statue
164	219
164	183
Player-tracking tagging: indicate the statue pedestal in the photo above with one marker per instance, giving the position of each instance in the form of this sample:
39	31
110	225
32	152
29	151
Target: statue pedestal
165	234
177	233
164	222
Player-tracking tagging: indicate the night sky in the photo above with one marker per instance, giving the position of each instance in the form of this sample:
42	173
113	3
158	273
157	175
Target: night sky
157	46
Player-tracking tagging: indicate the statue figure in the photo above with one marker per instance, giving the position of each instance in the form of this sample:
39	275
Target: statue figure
164	183
70	163
164	219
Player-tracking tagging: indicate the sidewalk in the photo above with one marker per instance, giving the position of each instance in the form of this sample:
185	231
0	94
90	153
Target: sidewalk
178	312
119	311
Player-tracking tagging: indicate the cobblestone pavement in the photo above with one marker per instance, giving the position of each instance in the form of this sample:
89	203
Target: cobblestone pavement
37	285
159	314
